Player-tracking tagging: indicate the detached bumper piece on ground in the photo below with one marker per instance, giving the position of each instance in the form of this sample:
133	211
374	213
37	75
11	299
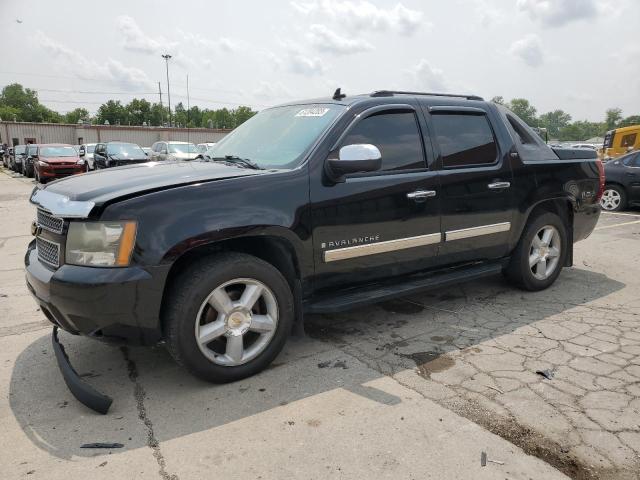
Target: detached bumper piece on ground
84	392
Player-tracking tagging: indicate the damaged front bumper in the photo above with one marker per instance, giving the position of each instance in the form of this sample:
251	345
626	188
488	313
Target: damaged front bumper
84	392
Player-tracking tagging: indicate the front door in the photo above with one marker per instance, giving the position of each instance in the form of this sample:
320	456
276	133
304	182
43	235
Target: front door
476	180
384	224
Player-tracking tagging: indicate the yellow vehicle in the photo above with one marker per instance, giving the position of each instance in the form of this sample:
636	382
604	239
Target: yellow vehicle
620	141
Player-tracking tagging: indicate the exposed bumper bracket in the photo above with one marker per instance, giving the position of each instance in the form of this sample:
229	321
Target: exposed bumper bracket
84	392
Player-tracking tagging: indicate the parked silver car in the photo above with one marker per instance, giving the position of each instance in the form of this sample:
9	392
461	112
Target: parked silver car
86	152
173	151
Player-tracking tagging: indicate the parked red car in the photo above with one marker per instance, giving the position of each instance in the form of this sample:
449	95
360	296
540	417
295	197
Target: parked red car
56	160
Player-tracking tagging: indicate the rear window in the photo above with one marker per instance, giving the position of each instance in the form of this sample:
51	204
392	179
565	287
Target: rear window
464	139
628	140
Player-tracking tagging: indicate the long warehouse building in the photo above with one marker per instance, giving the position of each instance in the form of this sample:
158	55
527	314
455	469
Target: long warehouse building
18	133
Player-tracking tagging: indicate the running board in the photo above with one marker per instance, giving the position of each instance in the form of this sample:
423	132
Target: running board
380	293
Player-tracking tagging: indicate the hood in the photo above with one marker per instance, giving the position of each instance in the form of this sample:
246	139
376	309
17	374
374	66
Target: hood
184	156
105	185
124	158
60	160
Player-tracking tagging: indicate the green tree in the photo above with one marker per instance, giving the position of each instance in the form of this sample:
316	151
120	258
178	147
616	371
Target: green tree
242	114
24	105
158	115
138	111
113	112
613	117
498	99
632	120
523	109
554	122
75	115
9	113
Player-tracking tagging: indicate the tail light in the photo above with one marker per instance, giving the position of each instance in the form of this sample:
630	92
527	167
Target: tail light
601	179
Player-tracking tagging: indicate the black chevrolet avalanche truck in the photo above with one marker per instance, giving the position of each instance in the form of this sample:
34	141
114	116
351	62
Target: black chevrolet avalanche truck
309	207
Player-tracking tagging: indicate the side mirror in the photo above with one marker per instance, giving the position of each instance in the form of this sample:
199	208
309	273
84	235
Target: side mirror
356	158
81	153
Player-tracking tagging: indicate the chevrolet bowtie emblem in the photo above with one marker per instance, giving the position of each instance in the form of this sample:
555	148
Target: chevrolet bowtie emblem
35	229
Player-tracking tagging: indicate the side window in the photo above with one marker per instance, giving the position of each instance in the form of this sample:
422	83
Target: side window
397	136
628	140
632	160
154	147
464	140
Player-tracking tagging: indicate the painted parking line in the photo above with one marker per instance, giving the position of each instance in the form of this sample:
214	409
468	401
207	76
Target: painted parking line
618	225
636	215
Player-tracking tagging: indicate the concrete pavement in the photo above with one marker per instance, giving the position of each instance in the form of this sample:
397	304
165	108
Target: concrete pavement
414	388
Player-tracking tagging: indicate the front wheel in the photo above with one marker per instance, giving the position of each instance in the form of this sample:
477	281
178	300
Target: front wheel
613	199
540	254
228	317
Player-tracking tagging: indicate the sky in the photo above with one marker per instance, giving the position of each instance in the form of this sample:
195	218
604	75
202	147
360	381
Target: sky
581	56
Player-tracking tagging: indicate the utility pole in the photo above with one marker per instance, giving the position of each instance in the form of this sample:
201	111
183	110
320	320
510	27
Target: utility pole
161	108
166	57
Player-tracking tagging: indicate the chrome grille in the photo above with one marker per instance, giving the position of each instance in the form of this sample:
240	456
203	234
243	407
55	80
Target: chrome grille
49	222
48	252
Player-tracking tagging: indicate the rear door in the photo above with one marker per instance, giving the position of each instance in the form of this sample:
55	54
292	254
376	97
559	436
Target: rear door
477	201
384	224
632	177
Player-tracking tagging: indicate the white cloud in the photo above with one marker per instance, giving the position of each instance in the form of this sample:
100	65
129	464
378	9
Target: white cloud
362	14
489	15
327	40
222	44
135	40
113	71
269	91
297	62
556	13
529	50
428	78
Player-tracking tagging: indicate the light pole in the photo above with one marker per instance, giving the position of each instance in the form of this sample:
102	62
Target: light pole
166	57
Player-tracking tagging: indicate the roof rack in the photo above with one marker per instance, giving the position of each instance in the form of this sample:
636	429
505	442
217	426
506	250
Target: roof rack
390	93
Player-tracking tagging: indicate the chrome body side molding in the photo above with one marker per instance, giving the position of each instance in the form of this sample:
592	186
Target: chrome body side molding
59	205
477	231
381	247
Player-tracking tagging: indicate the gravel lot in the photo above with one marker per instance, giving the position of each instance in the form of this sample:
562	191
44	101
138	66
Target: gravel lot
413	388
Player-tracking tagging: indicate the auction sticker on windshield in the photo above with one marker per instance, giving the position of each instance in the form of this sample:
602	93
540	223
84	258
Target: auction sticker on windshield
312	112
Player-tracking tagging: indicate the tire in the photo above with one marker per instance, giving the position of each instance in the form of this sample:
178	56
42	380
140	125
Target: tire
614	198
554	253
189	308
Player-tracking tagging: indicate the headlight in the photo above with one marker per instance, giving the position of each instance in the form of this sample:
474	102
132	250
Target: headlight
80	162
42	163
100	244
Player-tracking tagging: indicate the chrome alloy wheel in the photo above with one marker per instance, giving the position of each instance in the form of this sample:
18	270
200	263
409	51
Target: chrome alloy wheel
544	253
610	199
236	322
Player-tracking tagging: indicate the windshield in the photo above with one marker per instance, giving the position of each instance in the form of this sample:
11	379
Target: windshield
278	137
20	149
58	152
182	148
90	148
125	150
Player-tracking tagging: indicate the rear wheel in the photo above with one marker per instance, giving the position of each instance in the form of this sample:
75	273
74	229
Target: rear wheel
613	199
540	254
228	317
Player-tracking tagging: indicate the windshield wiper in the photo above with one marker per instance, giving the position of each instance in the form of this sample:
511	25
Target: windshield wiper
235	160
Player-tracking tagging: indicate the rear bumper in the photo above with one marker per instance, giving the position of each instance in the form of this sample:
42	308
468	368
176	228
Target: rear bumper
110	304
584	221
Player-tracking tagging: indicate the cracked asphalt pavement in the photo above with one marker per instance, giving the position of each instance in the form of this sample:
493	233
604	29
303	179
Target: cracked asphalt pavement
412	388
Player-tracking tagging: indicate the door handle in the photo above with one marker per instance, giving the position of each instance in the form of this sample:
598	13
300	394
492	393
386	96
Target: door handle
421	194
499	185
